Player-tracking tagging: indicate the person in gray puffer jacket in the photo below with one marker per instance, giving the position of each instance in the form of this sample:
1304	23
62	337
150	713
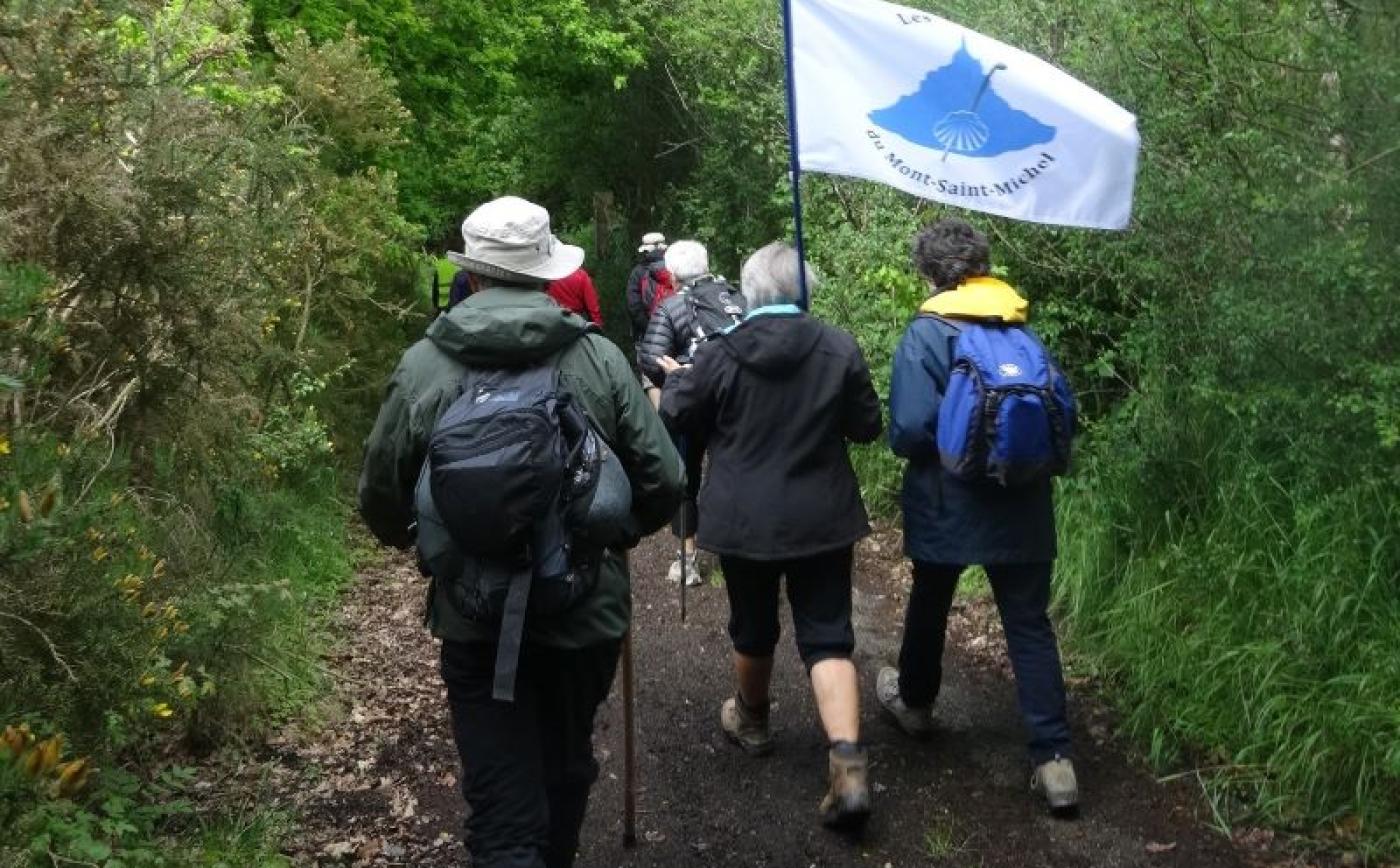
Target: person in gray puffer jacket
705	305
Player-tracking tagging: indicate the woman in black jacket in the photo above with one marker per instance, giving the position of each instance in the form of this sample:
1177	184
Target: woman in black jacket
778	398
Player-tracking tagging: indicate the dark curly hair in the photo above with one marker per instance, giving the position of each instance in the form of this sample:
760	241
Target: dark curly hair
950	251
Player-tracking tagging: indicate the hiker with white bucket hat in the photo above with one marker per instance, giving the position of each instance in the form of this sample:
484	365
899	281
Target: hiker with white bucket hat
517	452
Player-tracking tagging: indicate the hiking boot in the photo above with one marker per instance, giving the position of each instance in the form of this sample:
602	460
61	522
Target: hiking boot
846	806
917	722
746	727
1056	782
692	570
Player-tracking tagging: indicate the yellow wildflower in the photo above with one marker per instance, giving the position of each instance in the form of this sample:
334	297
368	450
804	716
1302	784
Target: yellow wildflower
159	569
4	446
16	739
149	610
4	504
42	757
63	450
100	554
162	710
147	680
144	554
72	778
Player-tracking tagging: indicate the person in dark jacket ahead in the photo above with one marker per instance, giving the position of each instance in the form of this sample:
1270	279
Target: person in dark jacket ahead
651	259
527	765
704	306
949	524
779	398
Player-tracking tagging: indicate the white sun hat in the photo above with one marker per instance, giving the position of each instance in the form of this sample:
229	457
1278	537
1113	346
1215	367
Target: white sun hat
652	241
509	239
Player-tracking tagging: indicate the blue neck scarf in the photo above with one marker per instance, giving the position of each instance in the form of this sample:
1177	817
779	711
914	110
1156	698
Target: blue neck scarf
774	310
767	310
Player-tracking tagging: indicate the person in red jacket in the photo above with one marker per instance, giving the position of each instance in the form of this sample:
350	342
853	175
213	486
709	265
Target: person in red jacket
576	293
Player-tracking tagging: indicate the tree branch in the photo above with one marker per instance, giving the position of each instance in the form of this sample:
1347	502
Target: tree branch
53	649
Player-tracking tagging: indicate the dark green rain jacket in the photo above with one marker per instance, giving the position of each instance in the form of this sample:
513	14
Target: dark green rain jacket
503	327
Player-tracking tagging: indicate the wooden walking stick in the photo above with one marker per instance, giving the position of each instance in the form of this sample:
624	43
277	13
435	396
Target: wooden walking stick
629	748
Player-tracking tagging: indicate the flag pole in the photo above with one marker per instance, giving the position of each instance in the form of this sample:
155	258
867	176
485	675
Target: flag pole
795	167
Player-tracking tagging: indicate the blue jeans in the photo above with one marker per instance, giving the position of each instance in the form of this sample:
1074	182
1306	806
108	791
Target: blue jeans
1022	594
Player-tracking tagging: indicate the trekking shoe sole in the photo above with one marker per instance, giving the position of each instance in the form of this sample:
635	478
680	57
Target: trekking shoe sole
750	748
916	734
849	819
1064	808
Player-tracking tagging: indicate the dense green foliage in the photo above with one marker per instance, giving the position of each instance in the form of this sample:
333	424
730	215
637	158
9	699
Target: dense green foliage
198	251
207	220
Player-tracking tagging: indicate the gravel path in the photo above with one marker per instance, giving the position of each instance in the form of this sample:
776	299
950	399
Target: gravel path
376	784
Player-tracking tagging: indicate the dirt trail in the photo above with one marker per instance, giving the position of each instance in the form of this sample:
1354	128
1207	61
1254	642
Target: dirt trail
378	784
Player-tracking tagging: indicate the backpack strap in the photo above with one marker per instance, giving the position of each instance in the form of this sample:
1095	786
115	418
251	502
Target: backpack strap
512	634
512	631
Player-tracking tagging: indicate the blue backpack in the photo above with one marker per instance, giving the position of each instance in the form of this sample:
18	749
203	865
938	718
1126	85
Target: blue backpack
1008	414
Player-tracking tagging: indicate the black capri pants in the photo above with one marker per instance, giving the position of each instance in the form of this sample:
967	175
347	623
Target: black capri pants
819	591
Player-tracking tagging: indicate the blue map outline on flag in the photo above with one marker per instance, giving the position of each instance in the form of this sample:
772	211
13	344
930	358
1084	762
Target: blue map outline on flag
940	115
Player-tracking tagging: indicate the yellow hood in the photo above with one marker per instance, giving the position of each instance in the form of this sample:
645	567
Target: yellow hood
979	298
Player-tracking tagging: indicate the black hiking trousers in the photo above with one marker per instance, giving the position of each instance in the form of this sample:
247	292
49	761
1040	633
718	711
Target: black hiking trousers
527	766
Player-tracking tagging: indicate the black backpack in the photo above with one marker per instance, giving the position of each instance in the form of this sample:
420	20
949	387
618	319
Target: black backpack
715	307
529	497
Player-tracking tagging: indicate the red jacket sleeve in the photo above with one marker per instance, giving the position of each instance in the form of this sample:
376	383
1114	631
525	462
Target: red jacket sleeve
590	298
576	293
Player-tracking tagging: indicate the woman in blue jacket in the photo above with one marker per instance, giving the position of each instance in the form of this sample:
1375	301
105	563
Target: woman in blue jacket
950	524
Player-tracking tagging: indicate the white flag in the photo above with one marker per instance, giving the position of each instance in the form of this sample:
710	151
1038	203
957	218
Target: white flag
909	99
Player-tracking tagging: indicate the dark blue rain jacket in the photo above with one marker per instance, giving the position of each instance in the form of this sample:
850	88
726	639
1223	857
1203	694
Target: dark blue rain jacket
947	521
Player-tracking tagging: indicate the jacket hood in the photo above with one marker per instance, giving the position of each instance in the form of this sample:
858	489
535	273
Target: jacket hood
980	298
772	344
505	326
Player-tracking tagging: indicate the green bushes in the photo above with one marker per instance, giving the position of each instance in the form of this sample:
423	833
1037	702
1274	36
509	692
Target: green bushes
137	616
203	274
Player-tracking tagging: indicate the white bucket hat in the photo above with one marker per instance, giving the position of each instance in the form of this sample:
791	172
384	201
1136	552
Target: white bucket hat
509	239
652	241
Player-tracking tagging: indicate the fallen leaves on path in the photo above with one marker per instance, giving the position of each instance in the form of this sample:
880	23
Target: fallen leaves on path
375	783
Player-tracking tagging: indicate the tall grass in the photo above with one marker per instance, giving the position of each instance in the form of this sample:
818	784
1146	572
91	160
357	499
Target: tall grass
1250	627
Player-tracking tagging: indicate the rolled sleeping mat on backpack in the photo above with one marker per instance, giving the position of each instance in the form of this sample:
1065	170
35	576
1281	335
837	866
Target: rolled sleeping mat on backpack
602	514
